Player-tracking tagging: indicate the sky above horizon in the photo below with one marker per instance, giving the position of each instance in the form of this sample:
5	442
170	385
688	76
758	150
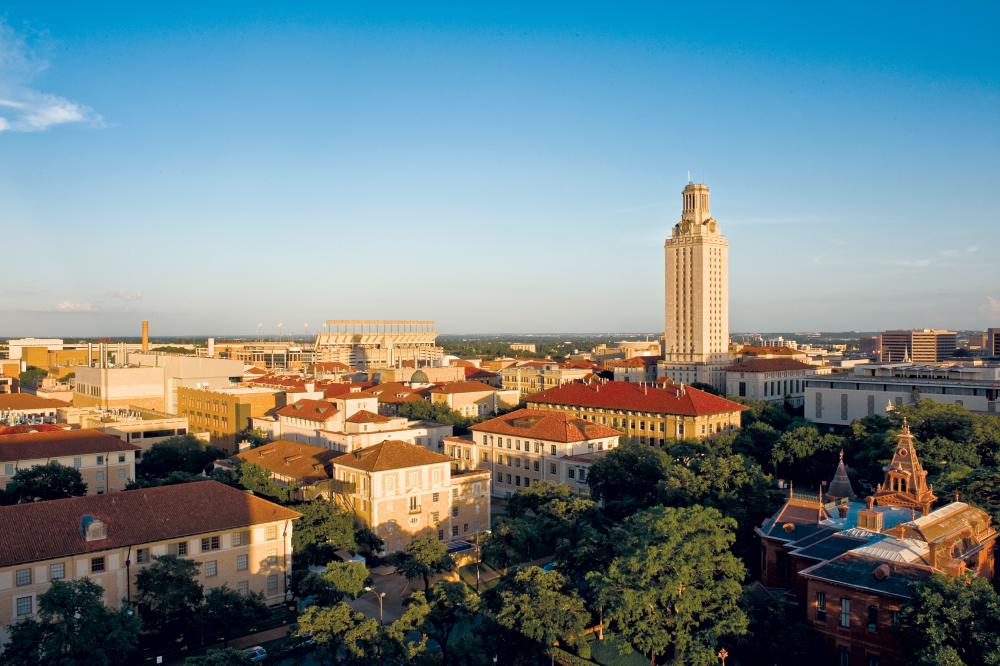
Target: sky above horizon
511	168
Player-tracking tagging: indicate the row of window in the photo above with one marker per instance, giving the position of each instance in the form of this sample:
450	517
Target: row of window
10	468
845	613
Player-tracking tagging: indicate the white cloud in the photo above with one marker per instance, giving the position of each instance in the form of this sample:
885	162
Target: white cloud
22	108
71	306
991	309
127	296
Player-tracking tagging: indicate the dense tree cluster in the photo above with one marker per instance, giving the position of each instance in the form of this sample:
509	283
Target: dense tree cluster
43	482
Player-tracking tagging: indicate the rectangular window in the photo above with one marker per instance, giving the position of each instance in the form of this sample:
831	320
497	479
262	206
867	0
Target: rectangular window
210	543
121	457
22	577
182	548
894	617
552	449
871	405
211	568
8	469
272	532
243	587
845	656
872	617
57	571
465	527
454	530
552	468
436	497
571	473
241	538
821	606
142	556
440	535
454	512
78	462
23	607
413	503
121	474
845	612
100	460
843	406
819	405
100	476
272	584
96	564
272	558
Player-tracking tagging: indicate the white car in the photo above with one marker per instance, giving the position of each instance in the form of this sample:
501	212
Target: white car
256	653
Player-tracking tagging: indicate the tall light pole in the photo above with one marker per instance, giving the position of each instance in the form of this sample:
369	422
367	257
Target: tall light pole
380	596
723	653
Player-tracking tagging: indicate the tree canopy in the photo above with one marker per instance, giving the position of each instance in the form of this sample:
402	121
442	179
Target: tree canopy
422	558
169	595
952	622
45	482
73	627
324	528
184	453
258	480
674	587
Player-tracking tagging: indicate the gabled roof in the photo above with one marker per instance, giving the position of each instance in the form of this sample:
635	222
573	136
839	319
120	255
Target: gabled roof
310	410
47	530
551	426
21	401
55	443
390	454
299	461
364	416
464	387
671	399
473	373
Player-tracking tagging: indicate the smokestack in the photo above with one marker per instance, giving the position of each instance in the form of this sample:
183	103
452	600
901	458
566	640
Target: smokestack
145	336
211	347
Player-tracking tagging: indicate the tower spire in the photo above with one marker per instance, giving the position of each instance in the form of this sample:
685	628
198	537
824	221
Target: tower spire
905	482
840	487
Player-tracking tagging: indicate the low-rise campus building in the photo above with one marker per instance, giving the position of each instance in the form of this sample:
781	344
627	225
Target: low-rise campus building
850	564
105	462
240	541
18	408
647	414
305	470
225	413
474	399
771	379
400	490
527	446
142	427
531	376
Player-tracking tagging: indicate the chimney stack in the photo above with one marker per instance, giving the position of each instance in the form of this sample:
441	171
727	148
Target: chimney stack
145	336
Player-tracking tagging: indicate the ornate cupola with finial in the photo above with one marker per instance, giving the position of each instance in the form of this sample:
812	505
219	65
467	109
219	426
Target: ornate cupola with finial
905	482
840	488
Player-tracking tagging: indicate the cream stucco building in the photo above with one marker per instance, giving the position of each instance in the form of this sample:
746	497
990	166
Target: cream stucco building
105	462
240	541
696	303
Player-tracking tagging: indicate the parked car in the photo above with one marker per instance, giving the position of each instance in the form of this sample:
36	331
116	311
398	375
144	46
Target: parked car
256	654
302	643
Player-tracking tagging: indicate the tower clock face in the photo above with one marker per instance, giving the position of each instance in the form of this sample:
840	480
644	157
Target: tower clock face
711	227
902	452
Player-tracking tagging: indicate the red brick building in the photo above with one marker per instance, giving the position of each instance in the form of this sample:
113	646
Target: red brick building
850	564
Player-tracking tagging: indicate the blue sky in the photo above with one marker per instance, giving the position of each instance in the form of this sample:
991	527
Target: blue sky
504	169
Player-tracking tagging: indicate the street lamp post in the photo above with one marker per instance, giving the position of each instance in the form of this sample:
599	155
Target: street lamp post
380	596
723	653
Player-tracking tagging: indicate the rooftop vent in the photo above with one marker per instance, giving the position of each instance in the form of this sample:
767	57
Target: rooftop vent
882	572
93	529
788	527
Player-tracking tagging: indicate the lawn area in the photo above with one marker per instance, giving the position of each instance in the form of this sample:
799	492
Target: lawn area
606	653
488	576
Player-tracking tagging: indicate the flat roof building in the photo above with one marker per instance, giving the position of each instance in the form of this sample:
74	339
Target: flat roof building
376	343
917	346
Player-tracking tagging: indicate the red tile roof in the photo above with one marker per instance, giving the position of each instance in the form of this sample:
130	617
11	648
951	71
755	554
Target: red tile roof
356	395
764	351
332	366
671	399
310	410
390	454
769	365
39	427
478	373
396	393
47	530
551	426
299	461
464	387
364	416
21	401
51	444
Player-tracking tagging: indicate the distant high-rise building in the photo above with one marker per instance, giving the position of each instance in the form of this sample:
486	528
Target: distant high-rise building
918	346
869	345
993	342
696	321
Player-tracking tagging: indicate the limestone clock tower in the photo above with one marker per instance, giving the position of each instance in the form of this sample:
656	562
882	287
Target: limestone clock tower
696	299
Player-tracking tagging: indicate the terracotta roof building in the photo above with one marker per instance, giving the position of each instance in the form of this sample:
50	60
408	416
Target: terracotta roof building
528	445
105	463
238	540
16	408
648	414
400	490
851	564
297	466
772	379
474	399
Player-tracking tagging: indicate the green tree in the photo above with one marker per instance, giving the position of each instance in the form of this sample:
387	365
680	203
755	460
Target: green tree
424	410
184	453
981	488
628	478
169	595
539	606
952	621
674	587
324	528
45	482
803	454
73	628
227	613
449	604
770	617
511	540
707	388
32	376
258	480
422	558
345	636
337	581
217	657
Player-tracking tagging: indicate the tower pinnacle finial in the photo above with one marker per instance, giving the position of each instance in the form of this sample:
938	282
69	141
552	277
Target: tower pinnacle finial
689	176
